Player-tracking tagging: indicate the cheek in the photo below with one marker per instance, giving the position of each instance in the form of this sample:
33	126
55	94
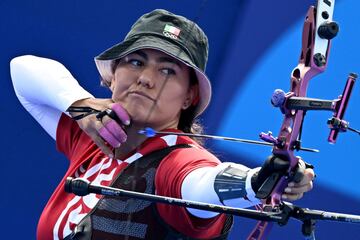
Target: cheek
120	85
174	95
118	94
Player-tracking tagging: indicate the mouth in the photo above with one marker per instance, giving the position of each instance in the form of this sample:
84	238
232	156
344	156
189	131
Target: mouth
141	94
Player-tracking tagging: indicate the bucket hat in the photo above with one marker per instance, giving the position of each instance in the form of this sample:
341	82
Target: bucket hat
172	34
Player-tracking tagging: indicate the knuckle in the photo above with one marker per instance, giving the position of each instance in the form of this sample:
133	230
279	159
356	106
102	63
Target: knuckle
311	173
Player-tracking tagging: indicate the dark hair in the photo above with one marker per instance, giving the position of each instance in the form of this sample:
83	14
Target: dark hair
188	122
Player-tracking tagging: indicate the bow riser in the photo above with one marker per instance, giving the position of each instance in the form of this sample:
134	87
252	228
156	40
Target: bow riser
318	29
293	119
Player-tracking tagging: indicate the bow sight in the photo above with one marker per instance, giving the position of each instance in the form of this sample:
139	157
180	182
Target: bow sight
288	103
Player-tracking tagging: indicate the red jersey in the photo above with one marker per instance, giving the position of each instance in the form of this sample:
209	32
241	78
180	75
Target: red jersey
64	211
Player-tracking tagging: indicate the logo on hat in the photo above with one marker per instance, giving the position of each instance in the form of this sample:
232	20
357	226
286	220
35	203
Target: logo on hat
171	31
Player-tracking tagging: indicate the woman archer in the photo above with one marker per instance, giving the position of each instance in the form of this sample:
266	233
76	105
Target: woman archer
157	79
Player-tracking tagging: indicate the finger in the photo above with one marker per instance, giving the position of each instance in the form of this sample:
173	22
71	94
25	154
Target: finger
299	189
108	137
102	145
310	173
308	176
292	197
121	113
117	131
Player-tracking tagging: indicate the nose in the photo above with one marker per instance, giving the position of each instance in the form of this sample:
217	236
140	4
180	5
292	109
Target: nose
146	78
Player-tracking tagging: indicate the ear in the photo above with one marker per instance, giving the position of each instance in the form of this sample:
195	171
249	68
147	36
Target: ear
190	96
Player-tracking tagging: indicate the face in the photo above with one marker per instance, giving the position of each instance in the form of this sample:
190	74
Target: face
153	87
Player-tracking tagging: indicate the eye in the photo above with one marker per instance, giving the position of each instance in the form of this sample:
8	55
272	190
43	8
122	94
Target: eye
168	71
135	62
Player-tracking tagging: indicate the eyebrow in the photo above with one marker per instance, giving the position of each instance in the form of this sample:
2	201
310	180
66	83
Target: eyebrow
160	59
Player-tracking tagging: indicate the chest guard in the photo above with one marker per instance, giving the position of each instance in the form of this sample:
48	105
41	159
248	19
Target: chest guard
133	219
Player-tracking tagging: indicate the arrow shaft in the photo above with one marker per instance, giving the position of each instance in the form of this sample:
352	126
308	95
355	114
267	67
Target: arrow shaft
228	139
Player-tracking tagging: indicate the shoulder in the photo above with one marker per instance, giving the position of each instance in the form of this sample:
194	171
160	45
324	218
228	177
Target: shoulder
195	153
190	158
180	162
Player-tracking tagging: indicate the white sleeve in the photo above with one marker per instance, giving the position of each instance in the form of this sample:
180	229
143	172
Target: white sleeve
45	88
199	186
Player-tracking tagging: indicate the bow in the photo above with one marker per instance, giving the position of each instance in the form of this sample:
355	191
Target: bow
318	31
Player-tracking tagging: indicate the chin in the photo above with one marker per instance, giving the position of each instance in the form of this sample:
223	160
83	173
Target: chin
139	115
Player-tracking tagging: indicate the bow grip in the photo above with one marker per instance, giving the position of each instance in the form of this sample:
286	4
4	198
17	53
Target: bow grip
341	107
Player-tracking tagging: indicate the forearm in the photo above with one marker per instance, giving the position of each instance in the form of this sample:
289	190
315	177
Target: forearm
45	88
227	184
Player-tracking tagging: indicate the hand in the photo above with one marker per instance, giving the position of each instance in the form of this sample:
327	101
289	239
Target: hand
105	129
274	167
296	190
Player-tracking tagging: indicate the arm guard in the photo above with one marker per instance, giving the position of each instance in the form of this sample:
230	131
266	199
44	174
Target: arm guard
234	182
210	184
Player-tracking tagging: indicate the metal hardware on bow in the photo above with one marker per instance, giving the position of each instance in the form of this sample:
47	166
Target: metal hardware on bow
149	132
287	102
341	125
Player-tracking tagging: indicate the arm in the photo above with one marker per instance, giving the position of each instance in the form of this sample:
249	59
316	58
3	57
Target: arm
213	184
45	88
235	185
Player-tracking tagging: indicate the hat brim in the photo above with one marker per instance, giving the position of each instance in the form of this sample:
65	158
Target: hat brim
104	62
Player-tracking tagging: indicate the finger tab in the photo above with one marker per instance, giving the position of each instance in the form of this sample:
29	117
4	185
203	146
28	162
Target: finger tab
118	132
121	113
108	137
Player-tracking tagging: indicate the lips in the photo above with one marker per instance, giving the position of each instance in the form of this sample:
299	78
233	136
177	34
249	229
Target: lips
142	94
